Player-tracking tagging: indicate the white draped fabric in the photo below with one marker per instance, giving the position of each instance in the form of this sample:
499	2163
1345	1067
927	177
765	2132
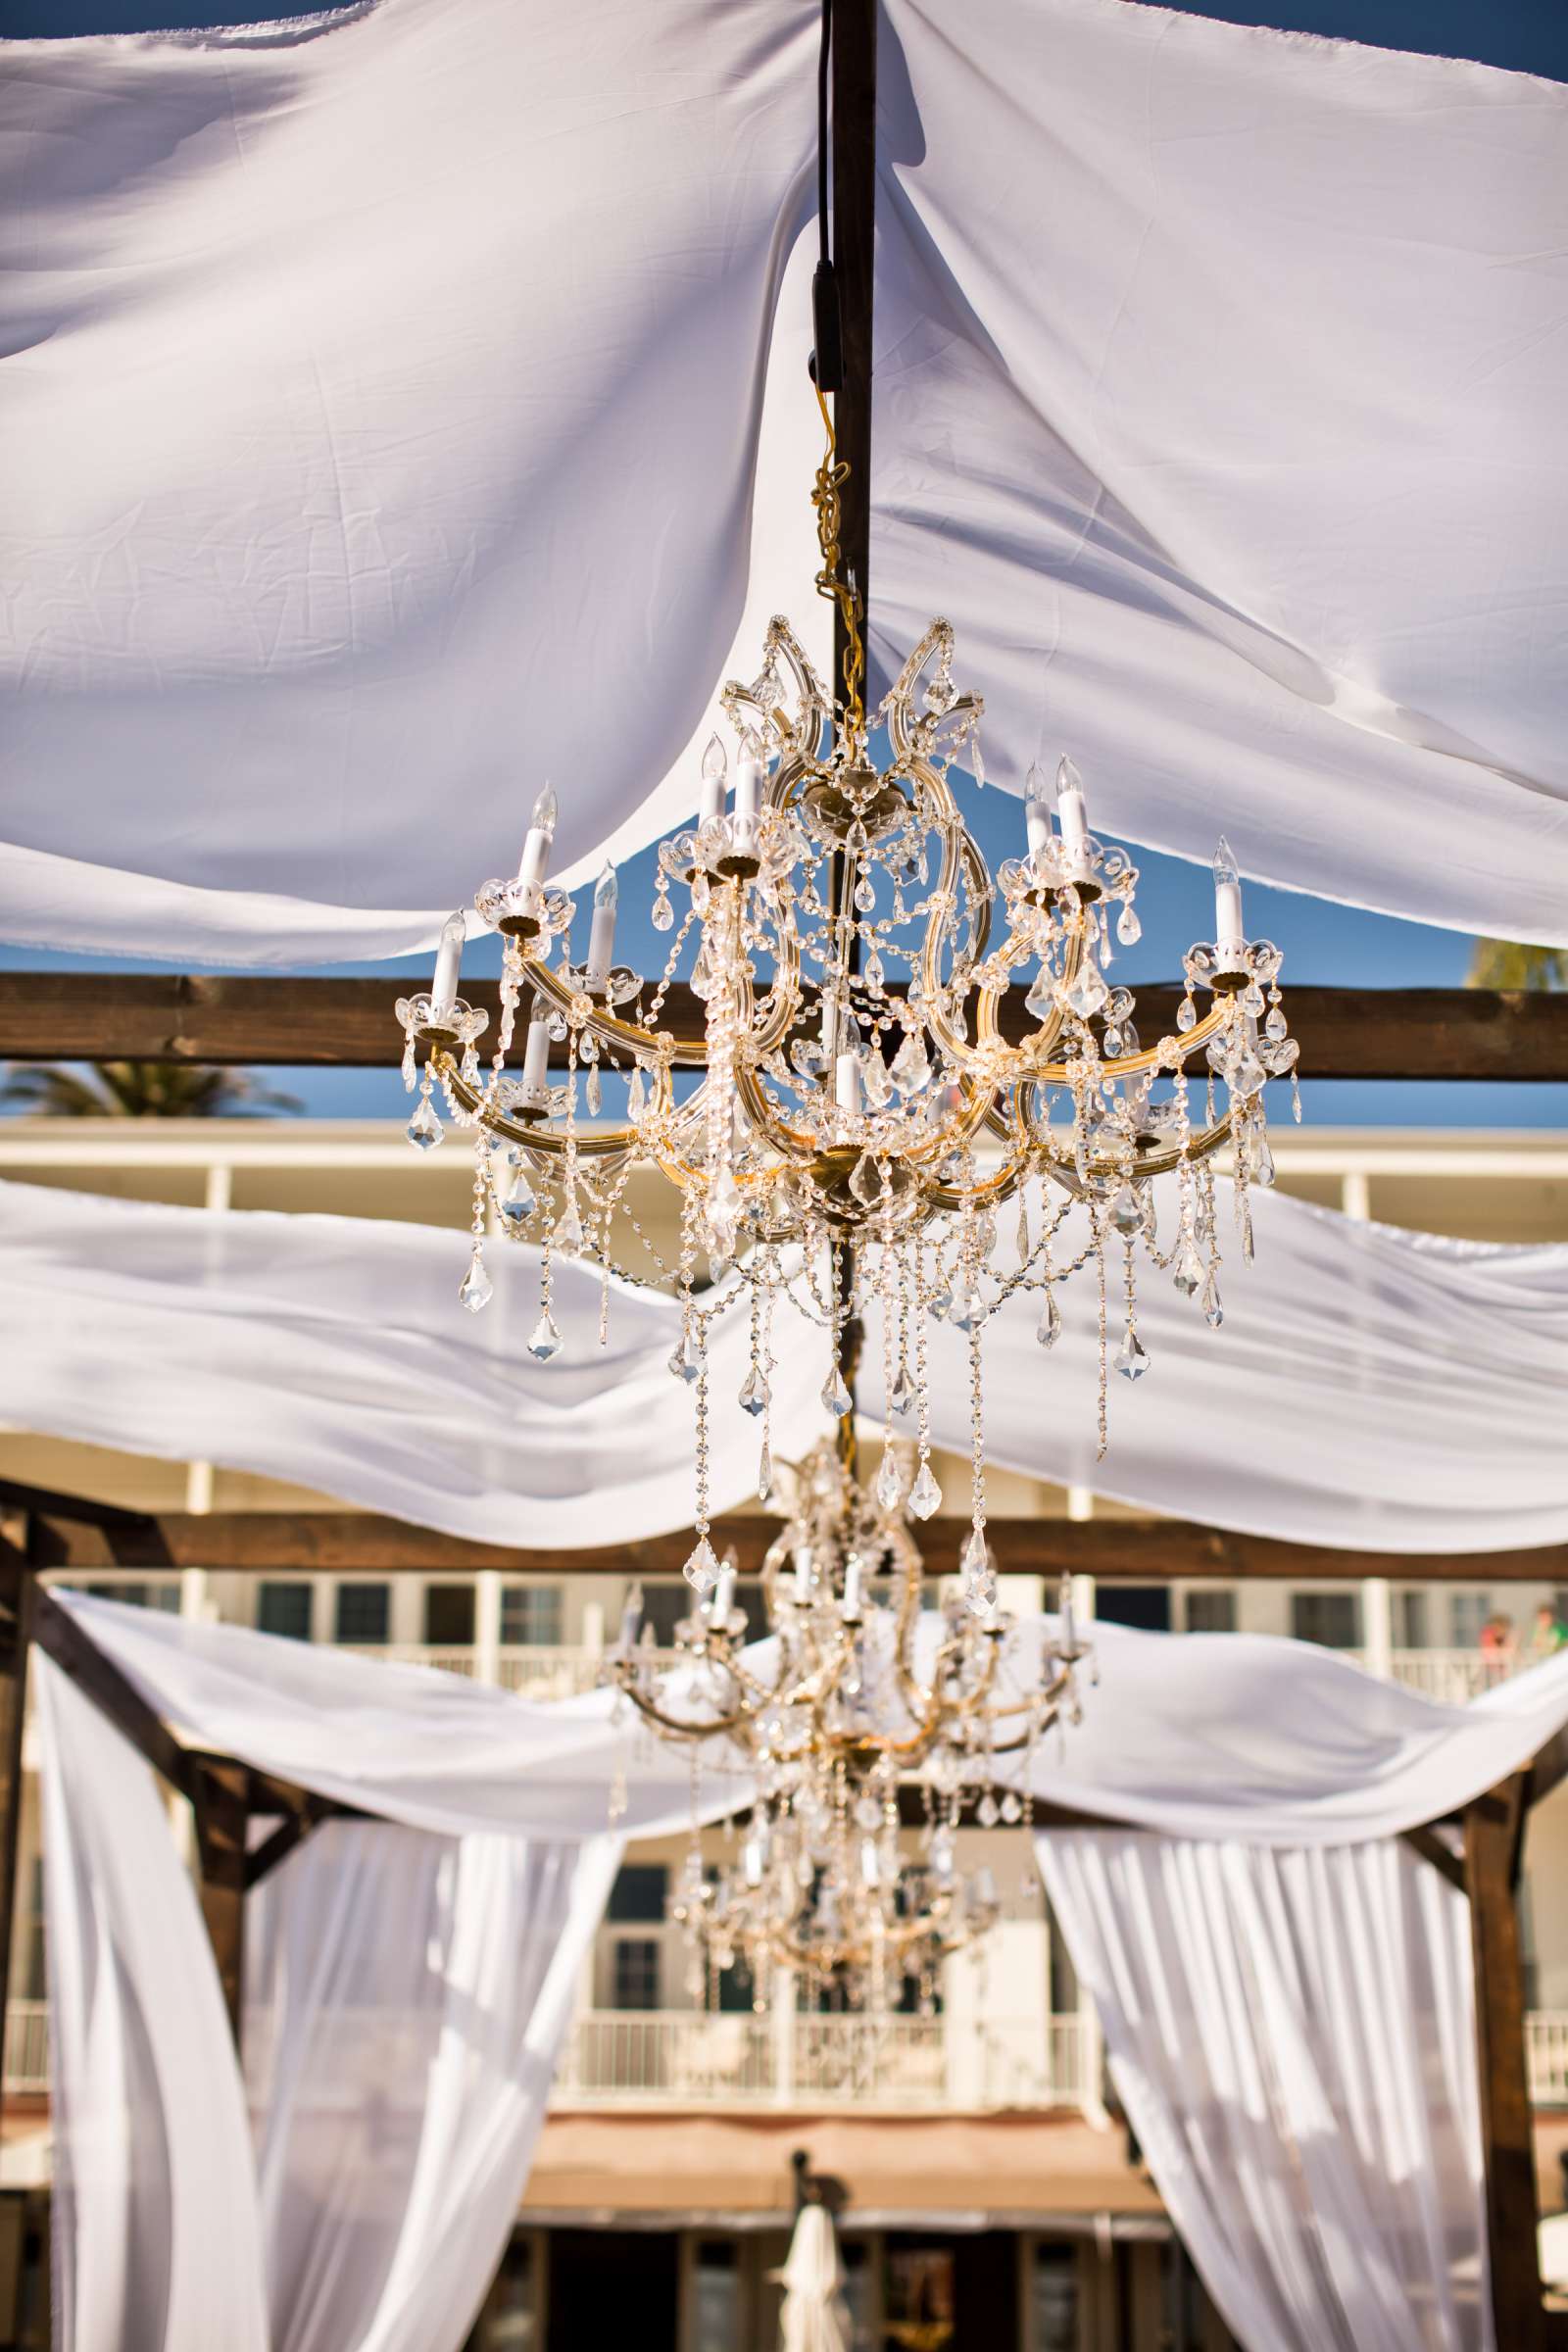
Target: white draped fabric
1286	1993
406	2001
1217	383
381	403
1369	1388
387	395
1292	2036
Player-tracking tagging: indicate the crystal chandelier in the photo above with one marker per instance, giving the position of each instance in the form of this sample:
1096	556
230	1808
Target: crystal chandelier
844	1116
855	1689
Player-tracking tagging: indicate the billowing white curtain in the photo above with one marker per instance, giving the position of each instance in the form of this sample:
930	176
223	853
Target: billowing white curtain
1291	2033
1369	1386
405	1999
1219	379
408	1993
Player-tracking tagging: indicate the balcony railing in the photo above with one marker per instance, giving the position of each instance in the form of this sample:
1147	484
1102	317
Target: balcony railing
682	2058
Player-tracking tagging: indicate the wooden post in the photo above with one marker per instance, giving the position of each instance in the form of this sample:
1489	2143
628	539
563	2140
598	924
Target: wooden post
1494	1831
223	1827
17	1589
853	149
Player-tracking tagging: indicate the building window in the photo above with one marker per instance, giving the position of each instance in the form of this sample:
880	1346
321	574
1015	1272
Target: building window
1410	1620
1211	1612
663	1609
284	1609
1053	2295
634	1973
164	1596
1147	1606
530	1615
637	1897
449	1616
364	1613
1468	1612
1331	1619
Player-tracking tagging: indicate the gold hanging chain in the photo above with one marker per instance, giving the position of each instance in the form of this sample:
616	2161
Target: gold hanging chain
831	475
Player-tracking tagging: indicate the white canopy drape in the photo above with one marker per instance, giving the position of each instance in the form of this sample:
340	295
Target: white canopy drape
1288	2005
1369	1388
386	389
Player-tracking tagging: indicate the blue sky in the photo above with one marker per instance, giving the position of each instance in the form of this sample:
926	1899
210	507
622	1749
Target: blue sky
1322	943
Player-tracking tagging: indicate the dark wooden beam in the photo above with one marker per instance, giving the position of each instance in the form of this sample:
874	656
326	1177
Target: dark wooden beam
1493	1825
854	153
1433	1849
258	1019
18	1595
1129	1552
222	1813
57	1632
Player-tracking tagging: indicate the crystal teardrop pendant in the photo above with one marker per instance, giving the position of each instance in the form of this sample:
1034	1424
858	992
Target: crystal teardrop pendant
1213	1312
1126	1211
1262	1161
988	1812
1186	1015
911	1064
477	1289
519	1203
1012	1807
1132	1358
702	1568
424	1129
1041	1001
902	1394
1189	1274
1087	994
686	1358
836	1398
1129	930
568	1234
866	1181
889	1481
764	1473
544	1340
925	1496
1048	1328
754	1395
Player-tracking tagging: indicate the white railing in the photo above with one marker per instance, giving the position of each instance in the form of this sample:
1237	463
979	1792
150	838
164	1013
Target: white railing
541	1672
1546	2051
27	2048
1453	1677
452	1657
673	2058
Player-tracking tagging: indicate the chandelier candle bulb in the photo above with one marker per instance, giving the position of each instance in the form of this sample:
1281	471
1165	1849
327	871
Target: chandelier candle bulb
631	1618
536	1061
1229	936
748	789
601	937
724	1593
847	1083
852	1574
803	1576
1071	813
541	835
1037	812
716	775
448	960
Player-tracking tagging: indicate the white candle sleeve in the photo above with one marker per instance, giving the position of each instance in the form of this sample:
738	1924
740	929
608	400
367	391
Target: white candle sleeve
536	1057
447	961
535	855
852	1588
1072	812
724	1597
847	1083
803	1575
748	791
1228	930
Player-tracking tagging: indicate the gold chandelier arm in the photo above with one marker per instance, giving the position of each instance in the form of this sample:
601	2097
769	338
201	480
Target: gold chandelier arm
594	1142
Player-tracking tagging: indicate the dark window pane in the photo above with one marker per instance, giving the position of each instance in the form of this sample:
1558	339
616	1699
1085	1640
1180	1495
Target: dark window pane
635	1978
1333	1619
449	1616
663	1608
364	1613
1211	1612
638	1893
530	1615
1144	1605
284	1609
134	1595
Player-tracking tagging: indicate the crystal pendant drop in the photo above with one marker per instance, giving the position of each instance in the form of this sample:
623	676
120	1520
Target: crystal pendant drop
663	916
544	1340
754	1395
1041	1001
686	1359
1132	1358
519	1203
967	1307
1186	1015
836	1398
595	1091
1048	1328
1012	1807
1262	1161
1126	1213
1129	930
764	1473
938	1304
865	1180
877	1081
1274	1027
1189	1274
636	1094
889	1481
1213	1312
477	1289
867	1812
988	1812
701	1569
911	1065
902	1394
864	894
925	1496
424	1129
568	1235
1087	994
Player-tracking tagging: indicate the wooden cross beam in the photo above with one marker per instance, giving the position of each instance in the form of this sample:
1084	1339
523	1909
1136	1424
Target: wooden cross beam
358	1542
257	1020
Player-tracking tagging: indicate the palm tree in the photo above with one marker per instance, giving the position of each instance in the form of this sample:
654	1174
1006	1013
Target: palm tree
138	1089
1502	963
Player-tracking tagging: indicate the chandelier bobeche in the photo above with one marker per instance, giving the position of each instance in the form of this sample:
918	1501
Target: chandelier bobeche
860	1118
856	1690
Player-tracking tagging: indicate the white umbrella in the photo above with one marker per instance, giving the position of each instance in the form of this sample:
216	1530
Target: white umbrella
814	2317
